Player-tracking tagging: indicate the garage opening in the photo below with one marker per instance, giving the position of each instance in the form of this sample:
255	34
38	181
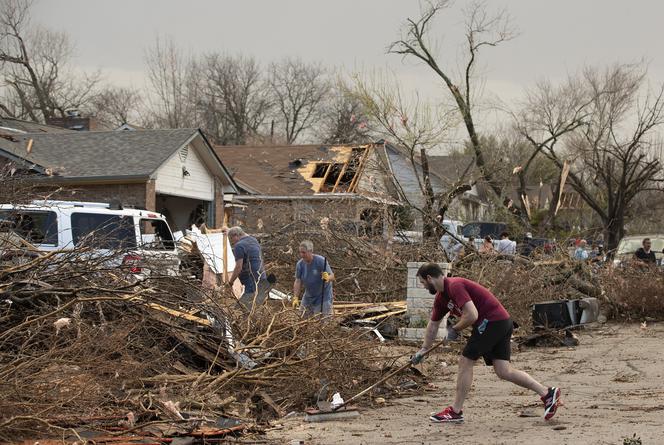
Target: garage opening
181	213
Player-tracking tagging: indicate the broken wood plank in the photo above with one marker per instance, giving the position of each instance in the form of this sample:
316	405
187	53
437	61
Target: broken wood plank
378	317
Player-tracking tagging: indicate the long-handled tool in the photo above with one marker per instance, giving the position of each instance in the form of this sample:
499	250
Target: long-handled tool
322	292
387	377
336	412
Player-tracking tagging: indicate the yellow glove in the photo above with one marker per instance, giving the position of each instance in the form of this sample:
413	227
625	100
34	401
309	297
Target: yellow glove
325	276
296	302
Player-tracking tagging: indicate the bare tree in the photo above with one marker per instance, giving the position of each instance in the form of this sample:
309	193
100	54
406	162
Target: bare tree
234	100
117	105
551	113
298	90
482	30
614	157
35	66
174	78
343	118
416	127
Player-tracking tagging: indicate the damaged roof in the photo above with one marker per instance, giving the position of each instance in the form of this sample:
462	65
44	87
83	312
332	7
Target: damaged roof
277	169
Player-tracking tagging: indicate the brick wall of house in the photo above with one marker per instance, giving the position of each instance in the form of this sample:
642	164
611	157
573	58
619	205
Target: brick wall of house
264	216
127	194
218	205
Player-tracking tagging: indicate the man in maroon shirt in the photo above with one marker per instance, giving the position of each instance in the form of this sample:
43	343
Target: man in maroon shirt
490	339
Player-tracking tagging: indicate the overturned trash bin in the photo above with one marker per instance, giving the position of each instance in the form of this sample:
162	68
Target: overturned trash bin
559	314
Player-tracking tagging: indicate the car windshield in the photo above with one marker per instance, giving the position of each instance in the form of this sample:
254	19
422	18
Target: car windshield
631	245
481	230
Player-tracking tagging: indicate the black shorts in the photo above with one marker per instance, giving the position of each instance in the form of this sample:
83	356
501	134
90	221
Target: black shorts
493	343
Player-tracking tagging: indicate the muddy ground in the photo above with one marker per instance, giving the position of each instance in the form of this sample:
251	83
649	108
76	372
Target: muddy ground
612	383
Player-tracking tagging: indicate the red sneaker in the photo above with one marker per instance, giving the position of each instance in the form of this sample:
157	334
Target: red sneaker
551	401
447	416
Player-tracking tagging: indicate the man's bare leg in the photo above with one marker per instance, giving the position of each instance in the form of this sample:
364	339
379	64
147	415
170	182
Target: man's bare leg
464	382
505	371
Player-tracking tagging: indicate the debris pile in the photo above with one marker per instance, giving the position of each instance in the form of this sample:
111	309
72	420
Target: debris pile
368	269
520	283
87	347
634	293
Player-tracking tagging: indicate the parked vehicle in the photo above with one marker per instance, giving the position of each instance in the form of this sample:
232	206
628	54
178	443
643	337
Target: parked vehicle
480	230
131	238
545	246
628	246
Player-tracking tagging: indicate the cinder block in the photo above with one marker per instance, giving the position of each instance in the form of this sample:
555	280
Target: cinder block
418	293
415	334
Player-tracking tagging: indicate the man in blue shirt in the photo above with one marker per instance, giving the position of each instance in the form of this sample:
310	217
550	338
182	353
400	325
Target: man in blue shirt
314	274
580	253
248	267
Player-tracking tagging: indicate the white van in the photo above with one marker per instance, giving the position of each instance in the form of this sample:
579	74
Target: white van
131	237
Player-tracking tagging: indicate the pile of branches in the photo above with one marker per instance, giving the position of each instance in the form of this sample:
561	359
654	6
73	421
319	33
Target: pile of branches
520	282
367	268
635	292
85	344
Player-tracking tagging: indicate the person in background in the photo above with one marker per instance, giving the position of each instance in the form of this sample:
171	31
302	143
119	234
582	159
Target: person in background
597	253
528	247
248	267
645	254
505	245
313	274
487	245
470	247
581	253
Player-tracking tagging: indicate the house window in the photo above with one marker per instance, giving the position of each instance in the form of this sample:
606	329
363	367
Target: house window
320	170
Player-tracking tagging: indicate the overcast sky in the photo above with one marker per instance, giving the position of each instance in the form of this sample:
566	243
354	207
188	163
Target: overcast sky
555	37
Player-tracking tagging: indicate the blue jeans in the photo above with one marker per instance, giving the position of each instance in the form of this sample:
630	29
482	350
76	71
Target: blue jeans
311	306
257	297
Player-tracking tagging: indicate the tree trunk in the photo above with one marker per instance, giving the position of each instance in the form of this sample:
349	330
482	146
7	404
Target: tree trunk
614	231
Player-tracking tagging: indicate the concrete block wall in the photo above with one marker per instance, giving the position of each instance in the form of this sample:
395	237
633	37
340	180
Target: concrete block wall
419	303
418	299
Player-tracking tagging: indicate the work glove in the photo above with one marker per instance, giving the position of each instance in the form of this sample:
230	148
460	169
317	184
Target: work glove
325	276
451	334
418	357
295	302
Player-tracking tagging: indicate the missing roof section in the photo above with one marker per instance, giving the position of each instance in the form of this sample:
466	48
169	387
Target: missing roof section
341	177
332	177
320	170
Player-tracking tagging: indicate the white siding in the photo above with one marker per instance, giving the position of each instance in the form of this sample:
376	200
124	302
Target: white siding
199	184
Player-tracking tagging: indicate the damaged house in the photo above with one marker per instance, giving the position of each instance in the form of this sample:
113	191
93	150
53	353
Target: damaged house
362	187
174	172
279	184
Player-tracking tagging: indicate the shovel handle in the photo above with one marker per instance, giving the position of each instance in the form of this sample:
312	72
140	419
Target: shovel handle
387	377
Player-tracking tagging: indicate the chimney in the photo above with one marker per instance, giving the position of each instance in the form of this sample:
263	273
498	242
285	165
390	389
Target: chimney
74	121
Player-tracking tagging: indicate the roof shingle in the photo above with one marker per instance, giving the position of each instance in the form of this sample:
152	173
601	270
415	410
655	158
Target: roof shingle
103	153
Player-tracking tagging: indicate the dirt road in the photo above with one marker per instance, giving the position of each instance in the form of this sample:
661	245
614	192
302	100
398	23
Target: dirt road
613	387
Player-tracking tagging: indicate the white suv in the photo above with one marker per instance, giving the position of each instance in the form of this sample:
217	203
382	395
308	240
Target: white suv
139	237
